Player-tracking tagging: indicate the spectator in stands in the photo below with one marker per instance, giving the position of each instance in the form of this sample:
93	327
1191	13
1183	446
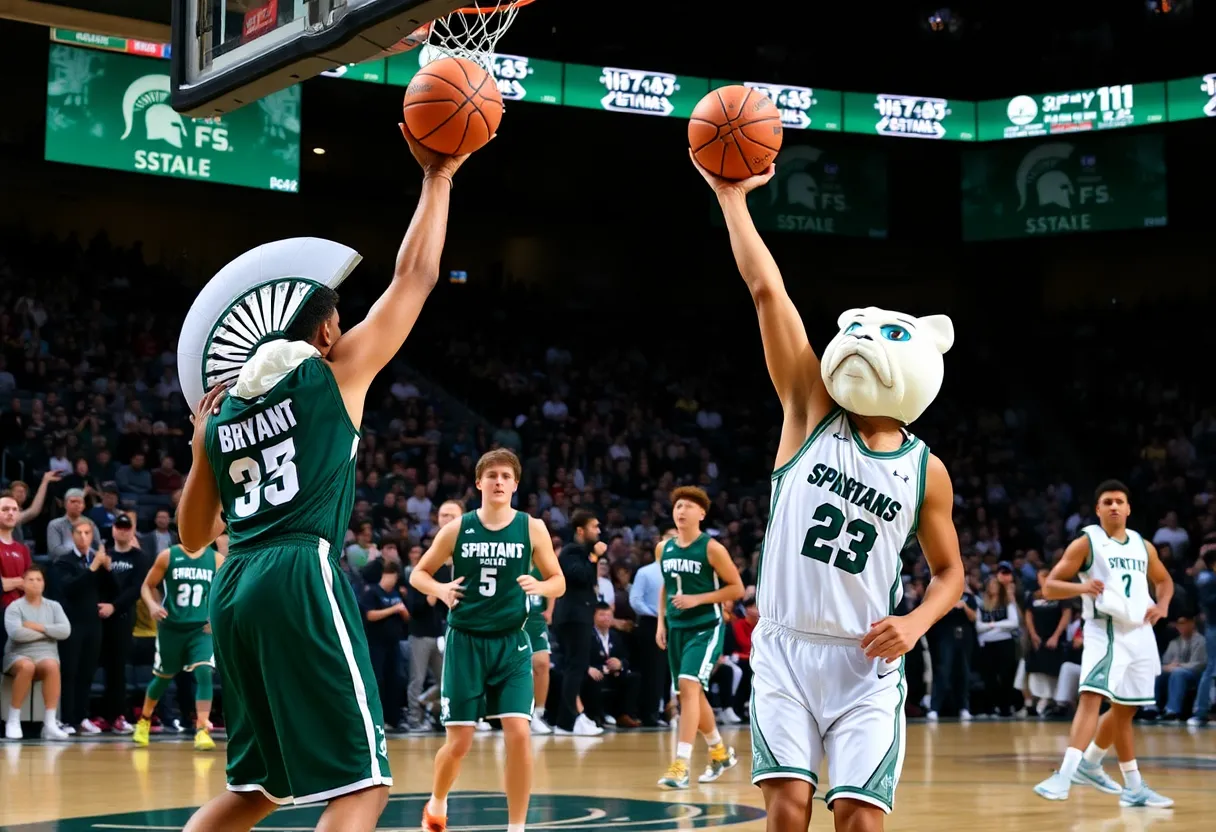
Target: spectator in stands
650	662
995	630
35	625
129	565
384	620
950	644
1046	623
83	580
610	689
61	530
574	619
1172	535
104	513
1181	666
133	478
162	536
1205	586
21	493
363	549
14	557
166	478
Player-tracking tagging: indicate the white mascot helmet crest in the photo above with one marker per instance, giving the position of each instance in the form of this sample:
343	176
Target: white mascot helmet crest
251	301
884	363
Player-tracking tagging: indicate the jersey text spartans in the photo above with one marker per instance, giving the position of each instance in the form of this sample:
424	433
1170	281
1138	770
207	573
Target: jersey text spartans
491	563
841	515
285	461
687	570
188	588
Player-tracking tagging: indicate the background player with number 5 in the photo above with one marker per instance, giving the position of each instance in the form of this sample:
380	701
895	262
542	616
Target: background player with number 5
487	661
850	489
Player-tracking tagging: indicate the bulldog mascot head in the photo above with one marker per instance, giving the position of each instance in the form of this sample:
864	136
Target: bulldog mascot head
884	363
235	328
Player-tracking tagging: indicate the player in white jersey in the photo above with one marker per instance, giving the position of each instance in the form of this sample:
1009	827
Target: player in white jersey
850	489
1119	658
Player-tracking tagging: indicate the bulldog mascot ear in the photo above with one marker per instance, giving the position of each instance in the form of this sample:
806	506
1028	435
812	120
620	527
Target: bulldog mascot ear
884	363
250	302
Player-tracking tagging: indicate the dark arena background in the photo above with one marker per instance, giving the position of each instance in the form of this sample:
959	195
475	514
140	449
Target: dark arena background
1040	172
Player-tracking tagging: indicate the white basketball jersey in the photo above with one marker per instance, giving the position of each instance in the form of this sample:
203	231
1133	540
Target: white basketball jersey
1123	568
840	516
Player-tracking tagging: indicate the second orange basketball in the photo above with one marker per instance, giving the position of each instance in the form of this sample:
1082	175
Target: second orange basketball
735	132
452	106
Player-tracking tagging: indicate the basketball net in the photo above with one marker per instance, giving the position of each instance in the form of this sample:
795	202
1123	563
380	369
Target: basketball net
472	32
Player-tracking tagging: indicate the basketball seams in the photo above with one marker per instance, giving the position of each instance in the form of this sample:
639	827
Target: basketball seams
467	100
733	130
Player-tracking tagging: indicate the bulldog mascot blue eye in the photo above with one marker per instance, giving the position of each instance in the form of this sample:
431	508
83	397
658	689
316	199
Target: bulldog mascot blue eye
234	331
884	363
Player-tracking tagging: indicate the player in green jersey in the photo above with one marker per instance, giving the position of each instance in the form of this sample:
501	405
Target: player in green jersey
275	463
183	633
540	616
487	661
698	577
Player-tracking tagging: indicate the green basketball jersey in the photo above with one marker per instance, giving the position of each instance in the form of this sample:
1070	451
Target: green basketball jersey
687	570
537	603
285	461
491	562
188	587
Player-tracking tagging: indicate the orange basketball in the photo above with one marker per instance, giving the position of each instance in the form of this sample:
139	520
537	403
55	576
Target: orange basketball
735	132
452	106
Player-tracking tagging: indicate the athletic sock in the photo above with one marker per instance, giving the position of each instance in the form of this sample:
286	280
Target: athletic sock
1072	759
684	751
14	714
713	738
1131	774
1094	755
439	807
50	717
515	827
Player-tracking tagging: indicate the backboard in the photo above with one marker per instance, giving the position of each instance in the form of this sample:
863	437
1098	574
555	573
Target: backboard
228	53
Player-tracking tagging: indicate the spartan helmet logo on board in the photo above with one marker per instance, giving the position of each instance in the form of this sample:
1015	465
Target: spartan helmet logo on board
1041	168
149	96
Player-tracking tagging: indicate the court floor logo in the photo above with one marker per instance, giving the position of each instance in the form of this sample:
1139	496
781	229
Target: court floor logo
467	812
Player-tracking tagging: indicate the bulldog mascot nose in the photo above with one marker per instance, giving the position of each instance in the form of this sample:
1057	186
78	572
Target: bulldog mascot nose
884	363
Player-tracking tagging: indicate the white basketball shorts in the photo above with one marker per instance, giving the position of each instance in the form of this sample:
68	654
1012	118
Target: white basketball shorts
1120	661
814	697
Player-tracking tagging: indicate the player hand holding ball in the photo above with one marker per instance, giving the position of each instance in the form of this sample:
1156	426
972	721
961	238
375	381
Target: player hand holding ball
734	135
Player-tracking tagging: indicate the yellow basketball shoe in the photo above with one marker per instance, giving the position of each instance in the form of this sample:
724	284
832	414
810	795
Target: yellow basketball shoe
142	730
202	739
676	776
721	760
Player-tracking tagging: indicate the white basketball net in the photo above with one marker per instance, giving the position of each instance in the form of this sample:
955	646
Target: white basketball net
473	31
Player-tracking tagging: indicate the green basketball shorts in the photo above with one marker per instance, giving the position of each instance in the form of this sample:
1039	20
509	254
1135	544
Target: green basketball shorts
693	652
538	633
184	649
485	677
303	710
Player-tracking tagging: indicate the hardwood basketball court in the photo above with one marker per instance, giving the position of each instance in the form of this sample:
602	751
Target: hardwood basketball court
955	778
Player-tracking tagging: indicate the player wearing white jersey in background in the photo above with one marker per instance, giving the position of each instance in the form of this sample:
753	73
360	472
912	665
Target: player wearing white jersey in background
1119	658
850	489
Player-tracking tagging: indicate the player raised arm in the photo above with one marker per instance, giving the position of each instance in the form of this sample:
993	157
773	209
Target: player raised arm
554	583
422	578
198	512
792	364
363	352
895	635
1060	584
732	584
1163	586
150	589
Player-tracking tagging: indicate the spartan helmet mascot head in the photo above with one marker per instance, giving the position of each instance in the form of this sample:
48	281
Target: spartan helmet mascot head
884	363
235	330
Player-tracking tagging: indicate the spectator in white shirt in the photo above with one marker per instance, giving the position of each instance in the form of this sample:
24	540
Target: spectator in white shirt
995	627
1173	535
419	506
554	409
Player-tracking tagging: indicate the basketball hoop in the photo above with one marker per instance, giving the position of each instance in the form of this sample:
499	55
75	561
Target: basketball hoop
472	32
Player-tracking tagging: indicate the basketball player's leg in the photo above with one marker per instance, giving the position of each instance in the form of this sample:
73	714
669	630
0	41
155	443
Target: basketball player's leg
167	663
538	637
787	748
1134	689
708	646
510	698
462	687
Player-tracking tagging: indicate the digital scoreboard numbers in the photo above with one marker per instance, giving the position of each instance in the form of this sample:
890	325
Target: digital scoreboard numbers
518	78
1075	111
802	108
909	116
1063	186
640	91
1191	98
